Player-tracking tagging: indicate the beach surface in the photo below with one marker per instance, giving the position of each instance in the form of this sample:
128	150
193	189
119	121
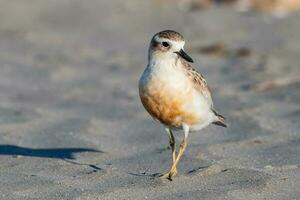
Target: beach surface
72	125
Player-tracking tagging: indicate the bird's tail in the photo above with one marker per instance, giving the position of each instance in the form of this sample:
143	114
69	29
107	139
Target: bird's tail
220	119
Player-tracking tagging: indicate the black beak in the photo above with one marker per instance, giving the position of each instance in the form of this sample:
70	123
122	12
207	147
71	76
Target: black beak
184	55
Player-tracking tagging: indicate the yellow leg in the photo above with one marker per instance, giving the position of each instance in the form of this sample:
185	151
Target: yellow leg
180	153
172	144
173	170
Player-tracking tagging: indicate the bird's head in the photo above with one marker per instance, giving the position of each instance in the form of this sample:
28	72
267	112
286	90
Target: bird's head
168	44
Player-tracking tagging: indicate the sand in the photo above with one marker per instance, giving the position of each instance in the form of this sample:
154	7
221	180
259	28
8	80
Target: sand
72	125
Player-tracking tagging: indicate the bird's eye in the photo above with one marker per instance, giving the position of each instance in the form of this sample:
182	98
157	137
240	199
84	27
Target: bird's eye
165	44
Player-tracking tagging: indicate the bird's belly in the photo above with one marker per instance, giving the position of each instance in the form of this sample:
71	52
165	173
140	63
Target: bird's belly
173	106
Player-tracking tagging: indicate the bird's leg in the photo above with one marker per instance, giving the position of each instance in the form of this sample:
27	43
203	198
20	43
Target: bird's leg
173	146
173	170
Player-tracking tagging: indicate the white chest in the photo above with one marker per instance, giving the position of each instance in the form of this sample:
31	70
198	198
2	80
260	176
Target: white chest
166	75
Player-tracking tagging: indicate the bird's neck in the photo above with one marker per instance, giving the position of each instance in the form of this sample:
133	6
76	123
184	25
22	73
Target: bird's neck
162	61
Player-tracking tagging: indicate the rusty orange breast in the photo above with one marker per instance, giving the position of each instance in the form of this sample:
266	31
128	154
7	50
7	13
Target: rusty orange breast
167	107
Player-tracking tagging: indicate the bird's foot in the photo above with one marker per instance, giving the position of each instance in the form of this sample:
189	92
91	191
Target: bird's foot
169	175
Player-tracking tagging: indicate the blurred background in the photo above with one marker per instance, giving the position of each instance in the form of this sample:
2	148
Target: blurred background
72	125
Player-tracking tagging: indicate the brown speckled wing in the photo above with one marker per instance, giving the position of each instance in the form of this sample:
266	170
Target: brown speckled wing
198	80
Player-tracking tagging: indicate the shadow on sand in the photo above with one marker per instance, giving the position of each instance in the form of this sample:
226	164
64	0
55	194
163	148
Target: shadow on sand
60	153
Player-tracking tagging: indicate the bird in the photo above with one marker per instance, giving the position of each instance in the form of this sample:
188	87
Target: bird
174	93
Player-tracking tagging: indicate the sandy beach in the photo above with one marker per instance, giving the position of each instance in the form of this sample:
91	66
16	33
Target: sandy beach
72	125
